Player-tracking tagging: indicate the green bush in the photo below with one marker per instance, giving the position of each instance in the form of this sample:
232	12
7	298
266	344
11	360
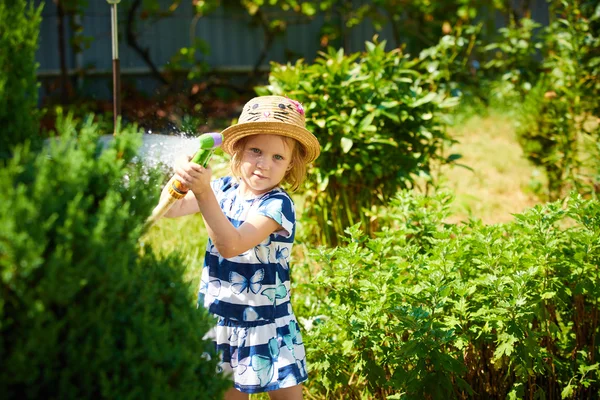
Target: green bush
446	65
548	136
85	310
514	60
430	310
558	125
19	30
380	129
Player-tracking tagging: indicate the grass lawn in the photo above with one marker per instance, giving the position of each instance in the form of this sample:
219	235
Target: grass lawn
500	181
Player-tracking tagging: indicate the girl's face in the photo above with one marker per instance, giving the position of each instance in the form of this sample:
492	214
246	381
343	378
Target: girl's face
264	163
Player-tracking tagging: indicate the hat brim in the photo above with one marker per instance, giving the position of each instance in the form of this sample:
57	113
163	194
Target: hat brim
235	132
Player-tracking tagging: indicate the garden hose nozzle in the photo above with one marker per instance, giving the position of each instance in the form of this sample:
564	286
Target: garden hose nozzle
177	190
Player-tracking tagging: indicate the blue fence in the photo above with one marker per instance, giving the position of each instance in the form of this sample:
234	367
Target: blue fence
234	44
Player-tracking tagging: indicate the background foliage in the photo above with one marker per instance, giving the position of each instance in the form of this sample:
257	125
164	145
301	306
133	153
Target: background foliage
86	312
379	126
557	128
412	25
409	302
19	29
427	309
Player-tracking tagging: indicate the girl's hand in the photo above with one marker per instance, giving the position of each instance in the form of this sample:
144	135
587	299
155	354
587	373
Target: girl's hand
192	175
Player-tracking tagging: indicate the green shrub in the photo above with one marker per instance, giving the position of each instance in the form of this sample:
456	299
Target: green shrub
447	64
558	125
514	59
86	311
548	135
19	30
430	310
379	126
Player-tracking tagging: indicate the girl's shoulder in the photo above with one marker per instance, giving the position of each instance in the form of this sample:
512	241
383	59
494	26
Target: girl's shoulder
279	199
224	184
277	193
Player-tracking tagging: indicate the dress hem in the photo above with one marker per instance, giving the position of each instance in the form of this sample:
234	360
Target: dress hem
266	389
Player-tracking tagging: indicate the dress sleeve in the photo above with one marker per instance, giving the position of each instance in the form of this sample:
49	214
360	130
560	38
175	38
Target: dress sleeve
221	185
280	209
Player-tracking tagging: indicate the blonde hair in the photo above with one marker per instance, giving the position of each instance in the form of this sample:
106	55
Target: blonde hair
293	177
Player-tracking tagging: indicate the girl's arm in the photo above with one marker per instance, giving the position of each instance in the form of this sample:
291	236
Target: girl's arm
186	205
229	240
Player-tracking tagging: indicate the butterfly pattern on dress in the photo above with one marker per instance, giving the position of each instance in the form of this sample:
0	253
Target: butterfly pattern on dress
211	287
277	293
264	365
250	314
238	213
292	338
239	283
240	366
301	364
262	251
282	254
225	203
238	336
219	367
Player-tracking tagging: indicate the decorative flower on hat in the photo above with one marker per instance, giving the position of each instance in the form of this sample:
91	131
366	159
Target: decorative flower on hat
298	106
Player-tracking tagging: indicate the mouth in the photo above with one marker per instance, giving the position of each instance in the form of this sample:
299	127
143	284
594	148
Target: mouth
259	176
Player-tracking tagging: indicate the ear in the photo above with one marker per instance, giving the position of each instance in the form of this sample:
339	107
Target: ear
289	167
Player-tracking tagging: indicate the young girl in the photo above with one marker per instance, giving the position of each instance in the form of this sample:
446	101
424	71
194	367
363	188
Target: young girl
251	223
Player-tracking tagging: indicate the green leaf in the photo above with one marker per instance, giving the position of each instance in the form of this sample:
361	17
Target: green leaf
323	183
424	100
320	123
308	9
449	102
506	345
453	157
567	392
389	104
366	121
391	116
346	144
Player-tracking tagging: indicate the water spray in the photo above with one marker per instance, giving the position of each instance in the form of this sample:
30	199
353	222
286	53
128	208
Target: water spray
177	190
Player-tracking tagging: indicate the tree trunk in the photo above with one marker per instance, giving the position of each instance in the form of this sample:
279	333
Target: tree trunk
269	38
64	74
132	42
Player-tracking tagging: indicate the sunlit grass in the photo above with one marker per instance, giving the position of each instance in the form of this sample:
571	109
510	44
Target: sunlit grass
184	235
500	181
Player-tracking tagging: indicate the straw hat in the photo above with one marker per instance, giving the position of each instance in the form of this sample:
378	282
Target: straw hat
272	115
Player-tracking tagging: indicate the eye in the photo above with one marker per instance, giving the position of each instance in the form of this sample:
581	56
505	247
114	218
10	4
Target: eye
278	157
254	150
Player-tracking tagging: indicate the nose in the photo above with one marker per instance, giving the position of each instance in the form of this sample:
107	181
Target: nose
262	162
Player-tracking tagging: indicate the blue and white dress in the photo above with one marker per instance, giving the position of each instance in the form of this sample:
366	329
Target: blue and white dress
257	333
